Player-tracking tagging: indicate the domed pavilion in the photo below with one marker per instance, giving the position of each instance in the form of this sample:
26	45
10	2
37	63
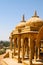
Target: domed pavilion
25	37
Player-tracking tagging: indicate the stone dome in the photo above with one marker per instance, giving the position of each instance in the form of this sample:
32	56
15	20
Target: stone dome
21	24
34	21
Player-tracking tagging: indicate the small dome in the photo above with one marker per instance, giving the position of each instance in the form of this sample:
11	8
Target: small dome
22	23
34	21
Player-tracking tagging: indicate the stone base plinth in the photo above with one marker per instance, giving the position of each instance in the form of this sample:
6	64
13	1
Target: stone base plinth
38	62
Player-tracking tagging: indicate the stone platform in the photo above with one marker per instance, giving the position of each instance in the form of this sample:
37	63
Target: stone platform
38	62
9	61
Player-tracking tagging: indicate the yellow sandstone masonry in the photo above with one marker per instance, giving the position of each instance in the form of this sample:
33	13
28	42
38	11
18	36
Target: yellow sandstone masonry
27	38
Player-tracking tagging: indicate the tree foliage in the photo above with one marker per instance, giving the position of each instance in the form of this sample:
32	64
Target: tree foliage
5	43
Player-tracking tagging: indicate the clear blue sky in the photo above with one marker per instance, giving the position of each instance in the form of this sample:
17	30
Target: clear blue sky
11	12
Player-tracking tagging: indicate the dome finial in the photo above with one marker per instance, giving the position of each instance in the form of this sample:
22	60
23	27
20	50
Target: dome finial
35	13
23	18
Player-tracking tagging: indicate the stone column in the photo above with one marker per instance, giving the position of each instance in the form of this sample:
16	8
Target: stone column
14	46
27	51
10	44
19	42
35	55
30	52
38	52
22	49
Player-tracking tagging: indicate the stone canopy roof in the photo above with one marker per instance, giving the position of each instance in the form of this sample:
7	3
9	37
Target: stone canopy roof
33	24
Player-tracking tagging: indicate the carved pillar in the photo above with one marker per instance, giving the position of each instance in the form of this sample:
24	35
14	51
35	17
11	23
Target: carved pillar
38	52
35	55
14	46
30	52
19	43
10	44
22	49
27	51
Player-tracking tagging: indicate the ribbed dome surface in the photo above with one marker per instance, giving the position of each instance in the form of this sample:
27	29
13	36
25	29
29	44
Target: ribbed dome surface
22	23
34	21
